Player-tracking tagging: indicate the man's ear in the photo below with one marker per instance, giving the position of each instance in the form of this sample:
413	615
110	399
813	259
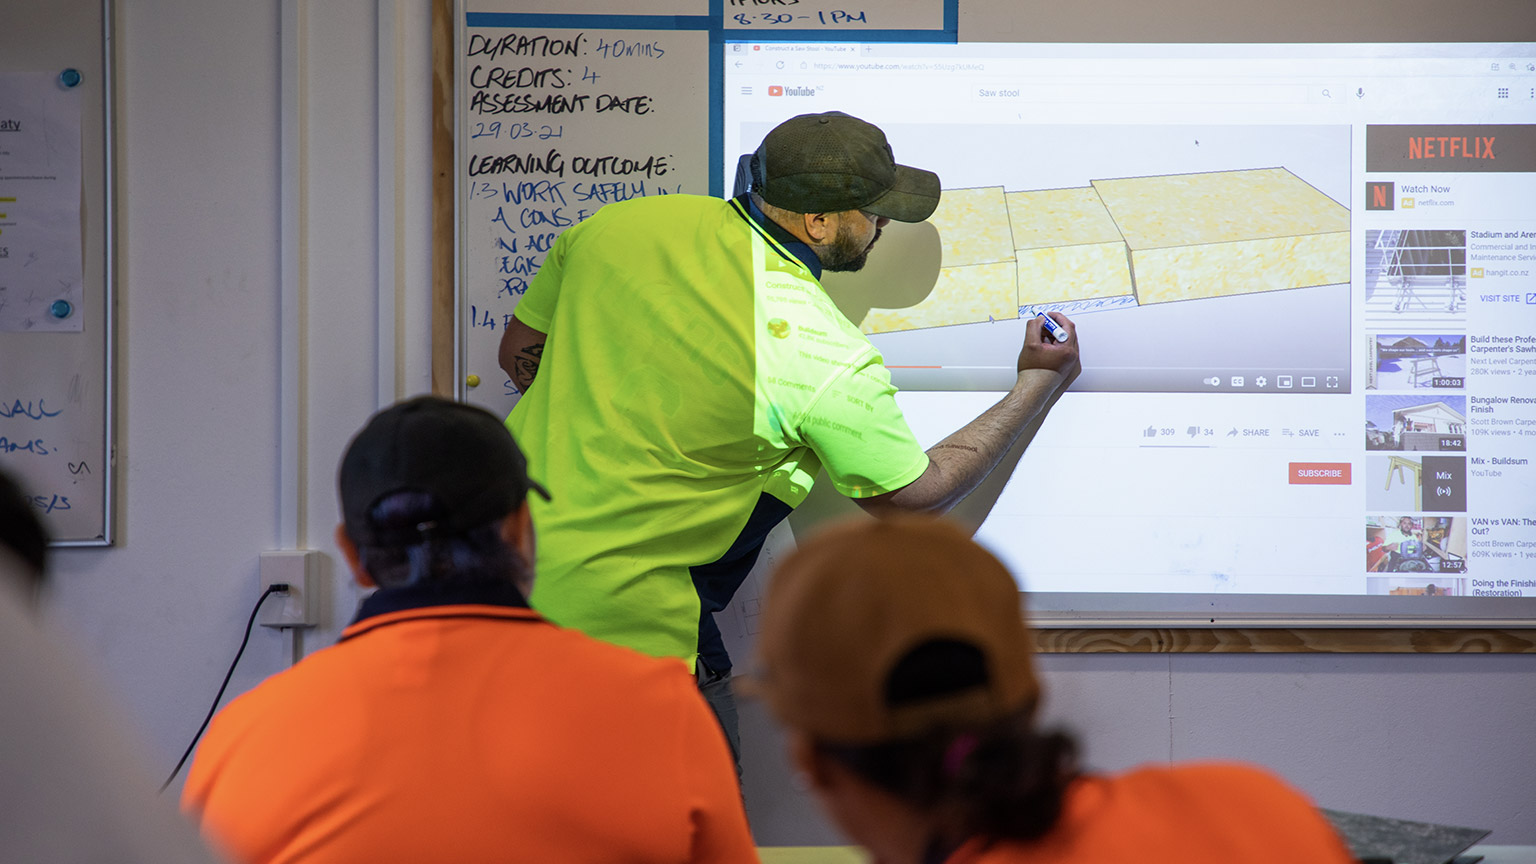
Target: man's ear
517	530
820	227
354	562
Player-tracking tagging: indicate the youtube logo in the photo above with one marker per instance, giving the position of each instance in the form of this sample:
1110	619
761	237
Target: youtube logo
775	90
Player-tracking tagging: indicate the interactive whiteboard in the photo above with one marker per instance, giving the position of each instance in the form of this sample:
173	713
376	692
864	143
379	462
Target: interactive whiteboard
1303	279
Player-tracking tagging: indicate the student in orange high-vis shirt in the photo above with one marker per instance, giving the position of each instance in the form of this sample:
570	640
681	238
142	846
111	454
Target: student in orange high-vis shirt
452	722
896	654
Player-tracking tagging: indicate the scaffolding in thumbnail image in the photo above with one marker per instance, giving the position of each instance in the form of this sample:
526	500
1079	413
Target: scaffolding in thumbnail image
1416	274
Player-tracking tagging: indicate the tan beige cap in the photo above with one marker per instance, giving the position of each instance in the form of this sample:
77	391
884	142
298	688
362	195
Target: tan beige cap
855	600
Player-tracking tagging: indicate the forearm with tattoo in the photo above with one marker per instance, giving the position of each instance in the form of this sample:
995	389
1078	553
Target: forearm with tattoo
525	365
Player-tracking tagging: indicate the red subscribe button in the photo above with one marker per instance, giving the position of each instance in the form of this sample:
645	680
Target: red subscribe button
1319	473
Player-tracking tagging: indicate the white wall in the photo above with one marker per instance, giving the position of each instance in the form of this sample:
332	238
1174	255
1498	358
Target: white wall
249	197
224	232
1433	738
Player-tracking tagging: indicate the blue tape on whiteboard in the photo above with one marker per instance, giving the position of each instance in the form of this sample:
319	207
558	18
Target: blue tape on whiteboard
716	100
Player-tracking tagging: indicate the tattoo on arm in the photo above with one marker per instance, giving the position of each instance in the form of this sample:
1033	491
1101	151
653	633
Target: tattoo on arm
526	365
964	447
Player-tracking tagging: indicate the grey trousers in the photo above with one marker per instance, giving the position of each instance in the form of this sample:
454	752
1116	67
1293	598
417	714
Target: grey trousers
716	689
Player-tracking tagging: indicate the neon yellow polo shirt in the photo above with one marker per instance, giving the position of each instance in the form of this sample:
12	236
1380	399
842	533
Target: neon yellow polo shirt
693	365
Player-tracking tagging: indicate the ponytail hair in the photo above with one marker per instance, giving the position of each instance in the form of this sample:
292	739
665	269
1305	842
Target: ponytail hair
421	554
998	779
1004	781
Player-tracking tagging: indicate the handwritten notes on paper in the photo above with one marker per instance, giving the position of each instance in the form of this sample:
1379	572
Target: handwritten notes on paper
556	123
41	267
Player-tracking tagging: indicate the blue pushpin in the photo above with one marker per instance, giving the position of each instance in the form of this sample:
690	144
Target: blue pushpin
70	78
61	309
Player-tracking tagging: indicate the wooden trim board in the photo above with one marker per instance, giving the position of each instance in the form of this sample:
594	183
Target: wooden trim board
1210	640
444	207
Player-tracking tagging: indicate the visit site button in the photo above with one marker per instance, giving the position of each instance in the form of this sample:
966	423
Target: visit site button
1320	473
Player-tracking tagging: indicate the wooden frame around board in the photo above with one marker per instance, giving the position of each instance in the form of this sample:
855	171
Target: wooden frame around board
444	203
1048	640
1266	640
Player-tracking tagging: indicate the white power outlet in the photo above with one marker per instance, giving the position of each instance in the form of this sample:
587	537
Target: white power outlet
299	569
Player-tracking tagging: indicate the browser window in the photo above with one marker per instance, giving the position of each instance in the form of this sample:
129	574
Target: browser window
1302	276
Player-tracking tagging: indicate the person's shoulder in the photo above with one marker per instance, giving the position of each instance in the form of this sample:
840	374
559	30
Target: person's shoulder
1225	778
1239	812
616	662
647	220
320	675
647	206
1233	787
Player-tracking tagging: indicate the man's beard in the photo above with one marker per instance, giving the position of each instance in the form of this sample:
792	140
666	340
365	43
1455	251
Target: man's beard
846	256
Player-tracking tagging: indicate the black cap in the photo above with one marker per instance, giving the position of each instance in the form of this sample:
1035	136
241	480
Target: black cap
828	163
460	454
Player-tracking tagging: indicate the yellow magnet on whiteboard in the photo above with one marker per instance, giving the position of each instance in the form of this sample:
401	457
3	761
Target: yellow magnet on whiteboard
473	380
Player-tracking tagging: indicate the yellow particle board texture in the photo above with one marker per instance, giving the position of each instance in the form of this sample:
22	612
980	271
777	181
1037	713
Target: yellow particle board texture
1059	217
1230	232
1246	267
1057	274
1067	246
973	227
962	295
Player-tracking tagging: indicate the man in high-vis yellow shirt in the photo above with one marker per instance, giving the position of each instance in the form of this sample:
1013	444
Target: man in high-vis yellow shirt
685	377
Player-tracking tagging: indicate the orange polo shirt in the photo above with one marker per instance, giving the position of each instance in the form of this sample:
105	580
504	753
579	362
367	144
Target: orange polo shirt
1185	814
458	725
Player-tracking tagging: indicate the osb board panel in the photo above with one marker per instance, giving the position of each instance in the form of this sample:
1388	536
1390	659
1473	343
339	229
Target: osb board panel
1285	641
1055	274
973	227
962	295
1218	207
1059	217
1243	267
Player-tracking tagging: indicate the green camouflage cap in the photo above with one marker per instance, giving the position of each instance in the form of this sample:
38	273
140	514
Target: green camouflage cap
832	162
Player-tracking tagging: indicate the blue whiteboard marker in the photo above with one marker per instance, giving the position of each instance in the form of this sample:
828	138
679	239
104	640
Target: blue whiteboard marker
1058	332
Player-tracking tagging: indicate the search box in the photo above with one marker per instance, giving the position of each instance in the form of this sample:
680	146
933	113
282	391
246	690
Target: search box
1057	92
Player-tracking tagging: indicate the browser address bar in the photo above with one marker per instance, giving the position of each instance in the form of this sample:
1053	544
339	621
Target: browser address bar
1117	92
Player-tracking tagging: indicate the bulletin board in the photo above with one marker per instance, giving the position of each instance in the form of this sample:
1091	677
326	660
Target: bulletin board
56	262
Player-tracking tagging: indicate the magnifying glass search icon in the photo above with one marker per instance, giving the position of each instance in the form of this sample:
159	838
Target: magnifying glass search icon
1326	94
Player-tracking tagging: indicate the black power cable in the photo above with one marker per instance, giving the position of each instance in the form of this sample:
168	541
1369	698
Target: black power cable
275	588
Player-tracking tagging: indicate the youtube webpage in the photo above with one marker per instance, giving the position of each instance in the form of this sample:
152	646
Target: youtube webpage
1301	276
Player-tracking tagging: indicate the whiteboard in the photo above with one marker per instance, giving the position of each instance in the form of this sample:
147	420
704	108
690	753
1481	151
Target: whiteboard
562	107
559	114
55	361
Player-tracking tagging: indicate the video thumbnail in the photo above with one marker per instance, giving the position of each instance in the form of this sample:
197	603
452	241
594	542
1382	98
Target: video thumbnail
1416	483
1416	361
1423	423
1415	276
1415	544
1416	586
